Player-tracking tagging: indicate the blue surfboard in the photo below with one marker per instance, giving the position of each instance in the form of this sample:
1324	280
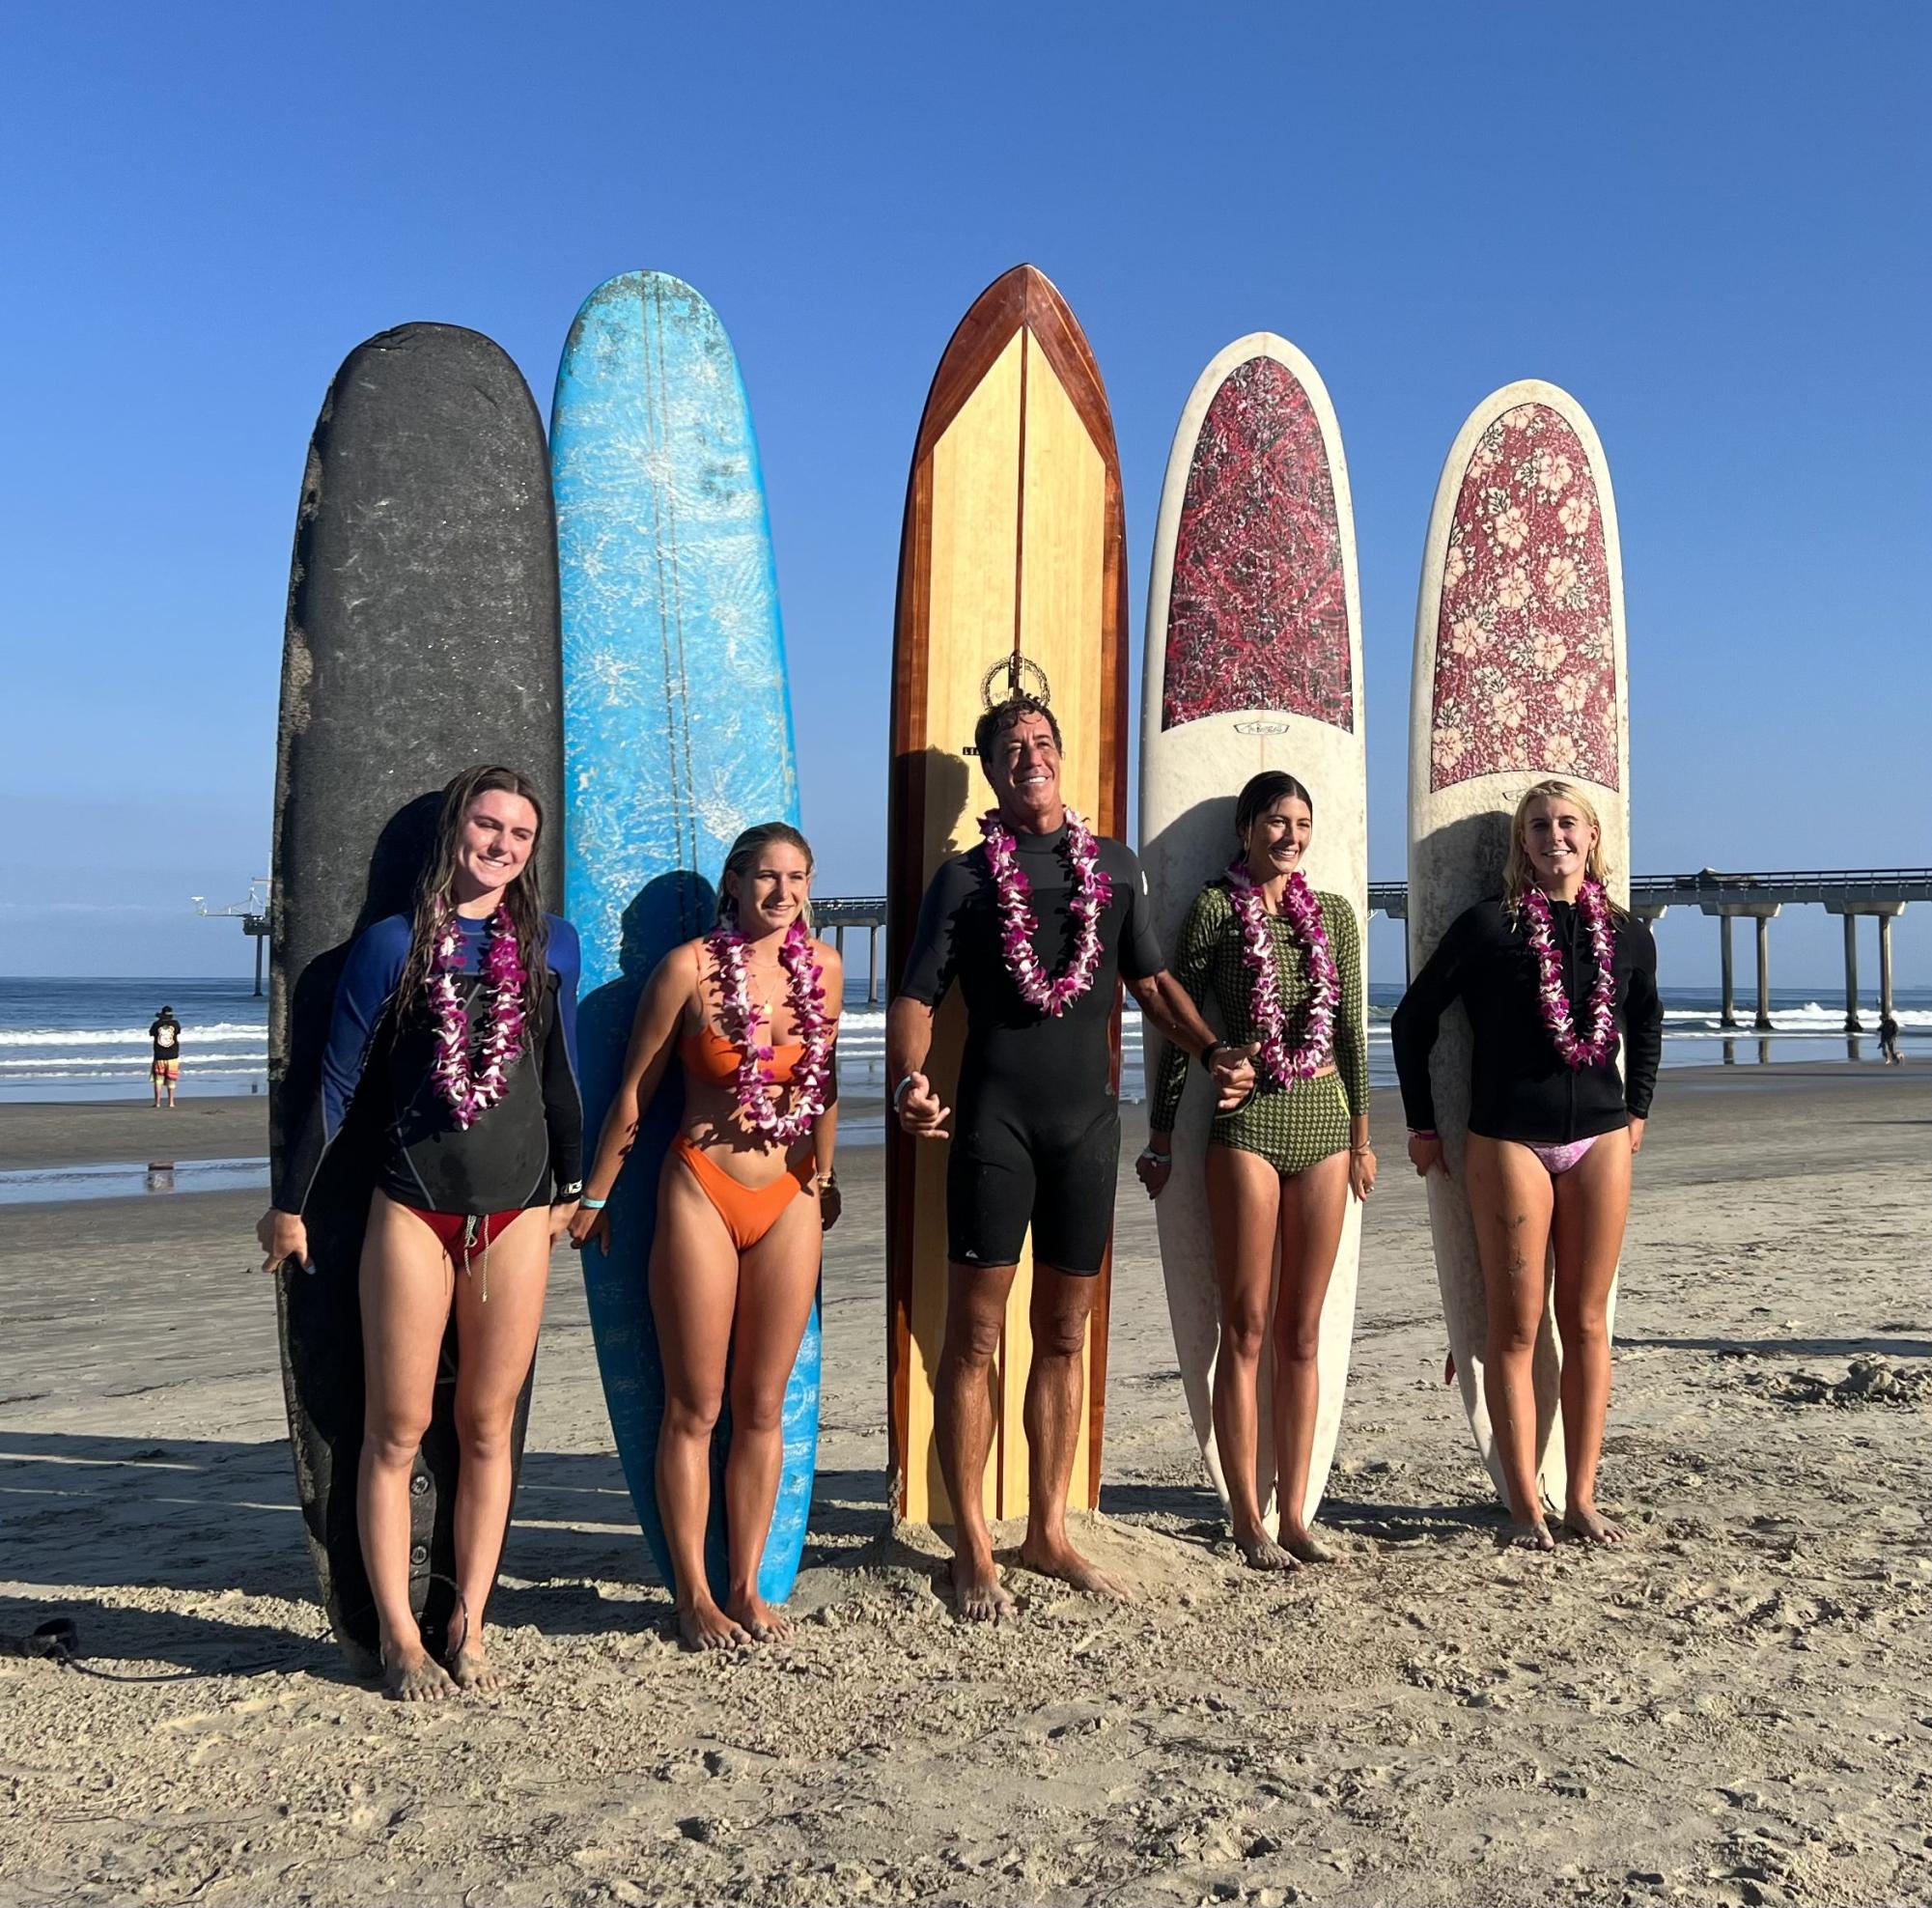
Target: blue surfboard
677	734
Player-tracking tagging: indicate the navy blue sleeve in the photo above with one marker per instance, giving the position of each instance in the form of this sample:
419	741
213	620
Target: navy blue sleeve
563	1096
1642	1019
369	978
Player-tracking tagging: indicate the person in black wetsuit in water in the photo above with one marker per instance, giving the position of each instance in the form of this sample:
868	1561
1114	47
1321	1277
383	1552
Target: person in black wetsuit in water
1038	1139
460	1023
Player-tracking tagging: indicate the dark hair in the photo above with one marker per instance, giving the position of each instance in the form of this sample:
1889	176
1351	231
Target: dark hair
745	851
1000	717
523	897
1261	792
167	1010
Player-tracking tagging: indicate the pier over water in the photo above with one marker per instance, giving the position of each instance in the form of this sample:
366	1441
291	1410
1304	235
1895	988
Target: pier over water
1880	892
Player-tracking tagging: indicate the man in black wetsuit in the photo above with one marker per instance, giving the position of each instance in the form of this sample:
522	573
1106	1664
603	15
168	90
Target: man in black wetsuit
1038	1141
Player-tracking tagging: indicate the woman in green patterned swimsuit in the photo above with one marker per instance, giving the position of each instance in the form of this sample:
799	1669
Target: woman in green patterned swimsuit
1281	1165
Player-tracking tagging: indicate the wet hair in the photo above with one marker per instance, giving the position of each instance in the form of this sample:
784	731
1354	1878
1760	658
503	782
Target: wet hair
435	894
1261	792
1517	874
1000	717
743	856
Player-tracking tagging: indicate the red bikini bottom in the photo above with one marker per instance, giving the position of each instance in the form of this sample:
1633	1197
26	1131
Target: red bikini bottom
459	1234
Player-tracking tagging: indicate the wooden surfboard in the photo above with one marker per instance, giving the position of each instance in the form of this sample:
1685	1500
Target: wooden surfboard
1253	661
1520	674
677	736
1013	542
421	638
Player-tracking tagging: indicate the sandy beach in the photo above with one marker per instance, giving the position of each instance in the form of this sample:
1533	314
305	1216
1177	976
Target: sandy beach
1731	1709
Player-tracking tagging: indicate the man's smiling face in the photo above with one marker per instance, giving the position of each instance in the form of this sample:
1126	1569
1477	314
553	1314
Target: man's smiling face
1023	767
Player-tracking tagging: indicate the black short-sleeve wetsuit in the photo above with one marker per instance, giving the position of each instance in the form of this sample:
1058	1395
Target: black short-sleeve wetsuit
527	1146
1520	1088
1036	1130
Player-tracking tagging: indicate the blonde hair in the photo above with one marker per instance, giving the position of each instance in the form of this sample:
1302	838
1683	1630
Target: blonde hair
744	855
1517	876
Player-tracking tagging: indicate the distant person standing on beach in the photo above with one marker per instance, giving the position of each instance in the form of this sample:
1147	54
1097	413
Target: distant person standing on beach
1555	977
1038	925
166	1035
1284	966
460	1023
1887	1041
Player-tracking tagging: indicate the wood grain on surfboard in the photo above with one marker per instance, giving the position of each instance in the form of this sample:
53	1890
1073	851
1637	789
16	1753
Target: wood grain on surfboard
421	638
1014	541
1521	673
678	737
1253	661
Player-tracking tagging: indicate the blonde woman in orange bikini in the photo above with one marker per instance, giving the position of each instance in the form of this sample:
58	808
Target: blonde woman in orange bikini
751	1011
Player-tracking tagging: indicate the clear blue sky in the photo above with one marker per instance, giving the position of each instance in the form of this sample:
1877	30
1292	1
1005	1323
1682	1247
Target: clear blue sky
1710	222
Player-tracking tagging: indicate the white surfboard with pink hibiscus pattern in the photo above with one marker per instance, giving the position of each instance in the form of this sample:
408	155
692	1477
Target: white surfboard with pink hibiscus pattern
1520	674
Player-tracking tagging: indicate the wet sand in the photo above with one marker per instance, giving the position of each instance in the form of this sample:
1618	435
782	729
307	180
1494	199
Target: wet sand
1731	1709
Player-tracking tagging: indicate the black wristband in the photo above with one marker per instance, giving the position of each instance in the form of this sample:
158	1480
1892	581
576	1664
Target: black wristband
1209	1052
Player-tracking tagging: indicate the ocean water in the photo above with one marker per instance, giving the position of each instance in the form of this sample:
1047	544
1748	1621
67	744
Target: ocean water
87	1039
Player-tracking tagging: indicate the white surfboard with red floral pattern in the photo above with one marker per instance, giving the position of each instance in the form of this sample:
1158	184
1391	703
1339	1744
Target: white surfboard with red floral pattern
1252	661
1520	674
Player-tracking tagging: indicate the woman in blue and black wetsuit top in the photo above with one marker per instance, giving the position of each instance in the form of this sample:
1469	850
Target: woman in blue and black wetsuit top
1554	980
460	1023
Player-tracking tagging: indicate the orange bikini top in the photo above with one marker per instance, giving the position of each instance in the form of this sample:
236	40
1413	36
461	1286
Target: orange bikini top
712	1058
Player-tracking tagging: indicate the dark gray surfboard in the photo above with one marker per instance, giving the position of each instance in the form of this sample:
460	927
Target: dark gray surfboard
421	637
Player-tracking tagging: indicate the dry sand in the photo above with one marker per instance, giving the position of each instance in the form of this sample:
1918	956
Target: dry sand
1737	1708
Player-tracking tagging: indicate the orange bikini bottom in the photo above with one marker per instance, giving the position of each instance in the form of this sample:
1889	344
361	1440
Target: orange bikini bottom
749	1211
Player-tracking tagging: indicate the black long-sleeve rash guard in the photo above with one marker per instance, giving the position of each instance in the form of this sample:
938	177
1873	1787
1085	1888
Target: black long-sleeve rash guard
528	1143
1520	1088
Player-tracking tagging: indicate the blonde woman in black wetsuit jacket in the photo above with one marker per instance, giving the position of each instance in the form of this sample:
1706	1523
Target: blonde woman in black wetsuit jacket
1551	1138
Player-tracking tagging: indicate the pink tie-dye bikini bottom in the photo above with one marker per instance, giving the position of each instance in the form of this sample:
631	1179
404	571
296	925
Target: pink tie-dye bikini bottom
1556	1161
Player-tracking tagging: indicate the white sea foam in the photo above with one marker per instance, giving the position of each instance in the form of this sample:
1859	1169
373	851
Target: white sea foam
133	1036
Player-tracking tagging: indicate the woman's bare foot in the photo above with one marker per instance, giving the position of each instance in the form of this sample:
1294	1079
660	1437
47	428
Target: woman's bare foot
764	1623
1307	1547
414	1675
705	1626
1260	1551
1585	1521
1057	1557
978	1594
470	1668
1532	1535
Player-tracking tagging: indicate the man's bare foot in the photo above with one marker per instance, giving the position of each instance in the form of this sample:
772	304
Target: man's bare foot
1533	1535
1307	1547
1260	1551
759	1619
470	1668
1585	1521
978	1594
705	1626
414	1675
1053	1557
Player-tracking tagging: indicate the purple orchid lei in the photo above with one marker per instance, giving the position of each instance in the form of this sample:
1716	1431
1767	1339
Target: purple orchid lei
1018	923
471	1090
1576	1051
1302	913
756	1092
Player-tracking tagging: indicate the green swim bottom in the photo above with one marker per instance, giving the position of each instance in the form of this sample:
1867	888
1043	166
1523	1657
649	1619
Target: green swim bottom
1292	1127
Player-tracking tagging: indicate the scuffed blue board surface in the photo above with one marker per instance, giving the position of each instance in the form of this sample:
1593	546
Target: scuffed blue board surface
677	734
